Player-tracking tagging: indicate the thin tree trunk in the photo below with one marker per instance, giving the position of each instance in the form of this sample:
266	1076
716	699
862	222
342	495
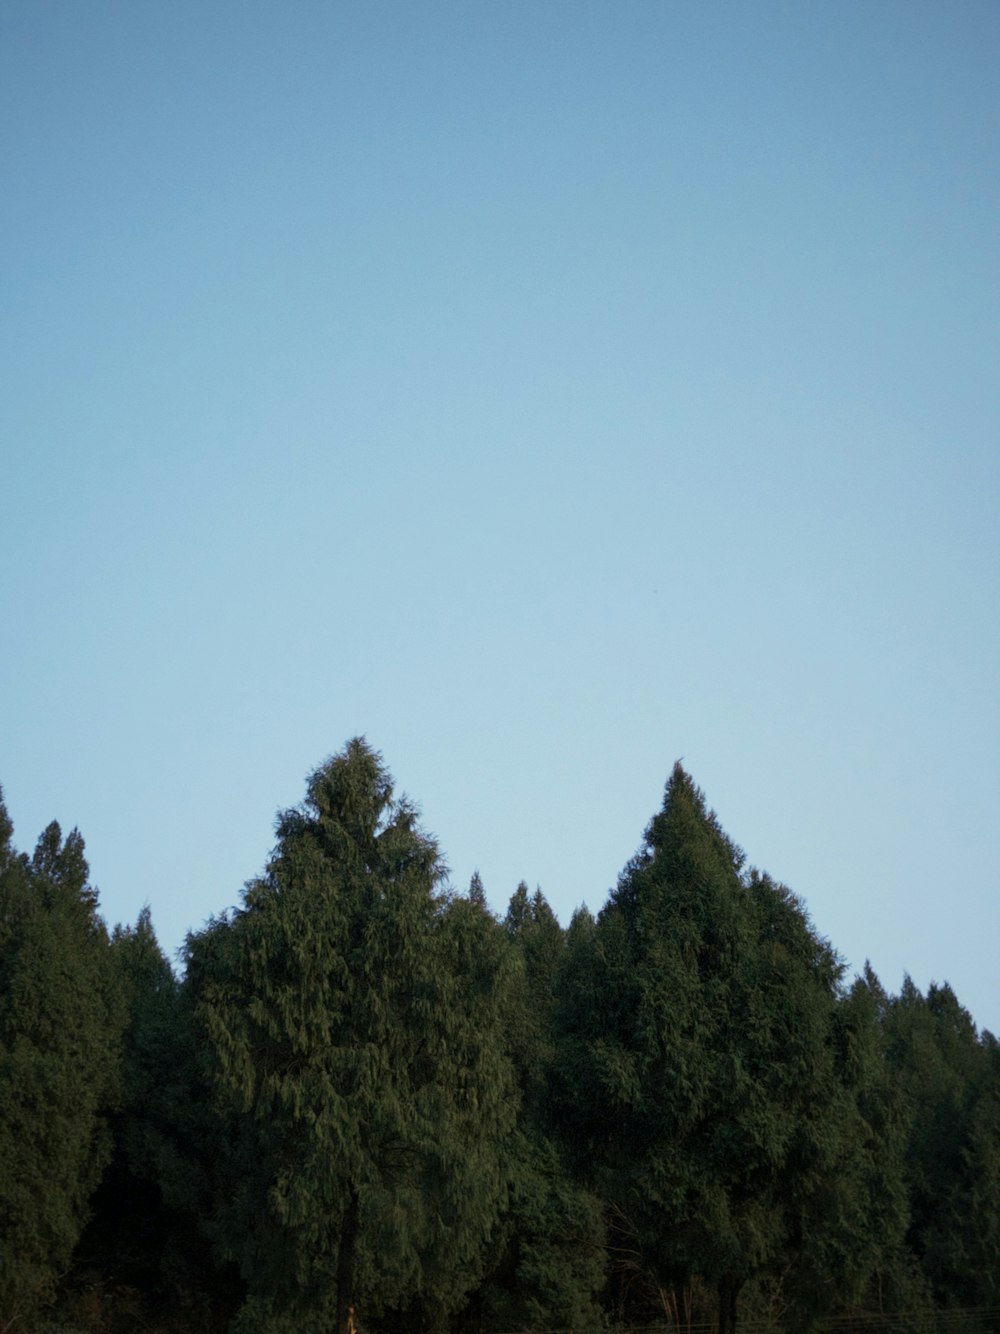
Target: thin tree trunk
345	1266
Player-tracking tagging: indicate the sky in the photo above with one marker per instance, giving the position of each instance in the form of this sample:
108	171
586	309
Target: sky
546	391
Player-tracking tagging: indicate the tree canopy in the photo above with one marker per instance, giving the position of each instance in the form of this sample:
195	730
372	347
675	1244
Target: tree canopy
60	1024
353	1018
369	1103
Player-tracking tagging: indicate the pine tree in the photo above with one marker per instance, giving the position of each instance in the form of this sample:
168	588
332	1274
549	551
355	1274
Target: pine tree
352	1018
548	1250
144	1241
949	1079
60	1023
477	894
699	1065
856	1237
534	930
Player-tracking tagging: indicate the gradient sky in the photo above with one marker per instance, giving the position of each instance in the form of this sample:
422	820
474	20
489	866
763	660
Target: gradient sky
547	391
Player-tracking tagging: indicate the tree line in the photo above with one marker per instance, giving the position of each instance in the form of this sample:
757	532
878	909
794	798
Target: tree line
368	1104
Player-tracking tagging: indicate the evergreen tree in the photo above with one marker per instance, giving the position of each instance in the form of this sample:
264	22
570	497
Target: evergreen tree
477	894
877	1212
700	1068
548	1249
144	1240
124	1241
538	939
357	1065
949	1079
59	1030
974	1206
465	1179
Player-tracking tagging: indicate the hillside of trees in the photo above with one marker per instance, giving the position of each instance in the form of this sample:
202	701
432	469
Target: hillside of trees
367	1104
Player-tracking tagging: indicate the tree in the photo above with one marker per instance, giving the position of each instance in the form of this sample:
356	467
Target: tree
948	1077
353	1025
548	1247
144	1244
60	1022
869	1200
700	1066
538	939
124	1241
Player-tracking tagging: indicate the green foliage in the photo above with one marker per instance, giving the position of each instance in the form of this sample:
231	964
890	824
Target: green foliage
548	1248
538	942
872	1194
60	1021
949	1080
369	1092
144	1247
701	1073
352	1019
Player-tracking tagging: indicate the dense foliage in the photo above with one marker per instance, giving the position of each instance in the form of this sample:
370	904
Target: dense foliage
370	1104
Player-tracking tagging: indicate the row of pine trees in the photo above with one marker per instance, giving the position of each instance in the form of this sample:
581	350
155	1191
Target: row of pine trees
368	1104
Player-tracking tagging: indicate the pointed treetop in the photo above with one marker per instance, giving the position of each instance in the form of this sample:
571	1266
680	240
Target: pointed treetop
477	894
541	911
63	864
685	849
349	815
519	910
352	789
684	808
582	920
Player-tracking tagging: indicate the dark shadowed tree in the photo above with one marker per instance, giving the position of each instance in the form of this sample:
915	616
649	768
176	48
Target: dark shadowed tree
949	1079
125	1239
144	1242
859	1242
548	1247
60	1023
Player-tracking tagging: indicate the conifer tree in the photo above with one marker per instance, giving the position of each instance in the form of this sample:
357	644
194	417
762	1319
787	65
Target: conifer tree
59	1030
698	1066
357	1065
548	1250
868	1201
534	930
477	894
949	1078
144	1239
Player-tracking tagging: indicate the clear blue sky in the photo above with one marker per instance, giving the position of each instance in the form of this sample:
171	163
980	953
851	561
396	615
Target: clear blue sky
545	390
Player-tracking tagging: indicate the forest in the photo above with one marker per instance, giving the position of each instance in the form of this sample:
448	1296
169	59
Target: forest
365	1104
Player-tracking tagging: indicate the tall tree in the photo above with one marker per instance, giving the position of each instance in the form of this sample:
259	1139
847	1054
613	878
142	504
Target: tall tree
538	939
60	1022
357	1063
866	1208
144	1241
700	1059
548	1250
949	1078
125	1238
